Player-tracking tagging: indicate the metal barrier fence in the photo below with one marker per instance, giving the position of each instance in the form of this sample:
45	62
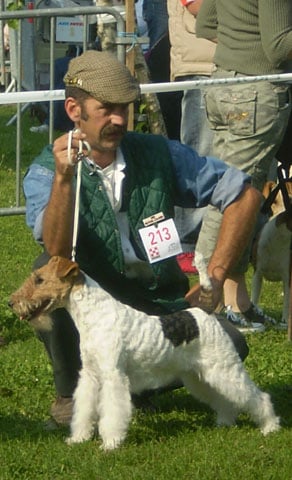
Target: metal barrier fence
23	99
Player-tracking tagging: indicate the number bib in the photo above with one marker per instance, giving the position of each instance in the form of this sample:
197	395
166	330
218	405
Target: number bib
160	240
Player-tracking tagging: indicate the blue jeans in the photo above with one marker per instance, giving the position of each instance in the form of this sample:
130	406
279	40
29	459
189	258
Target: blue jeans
156	16
196	133
195	130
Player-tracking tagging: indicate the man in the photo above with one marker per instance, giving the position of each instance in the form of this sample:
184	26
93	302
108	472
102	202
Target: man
128	179
249	120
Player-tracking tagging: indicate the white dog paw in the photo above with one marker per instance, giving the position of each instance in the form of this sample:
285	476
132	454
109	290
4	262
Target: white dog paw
271	426
111	444
76	439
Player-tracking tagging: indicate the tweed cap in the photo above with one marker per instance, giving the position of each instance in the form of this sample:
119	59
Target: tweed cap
102	76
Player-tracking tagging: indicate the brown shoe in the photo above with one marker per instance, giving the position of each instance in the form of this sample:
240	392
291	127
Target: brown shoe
62	409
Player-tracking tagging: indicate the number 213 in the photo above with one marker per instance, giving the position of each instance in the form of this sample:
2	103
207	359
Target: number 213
159	236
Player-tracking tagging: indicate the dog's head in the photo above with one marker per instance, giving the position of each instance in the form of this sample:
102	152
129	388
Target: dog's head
45	289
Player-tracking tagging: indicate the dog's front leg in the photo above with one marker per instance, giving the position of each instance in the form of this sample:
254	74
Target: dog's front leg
115	408
86	397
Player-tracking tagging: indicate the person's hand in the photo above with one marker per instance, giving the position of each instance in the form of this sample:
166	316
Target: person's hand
207	300
65	150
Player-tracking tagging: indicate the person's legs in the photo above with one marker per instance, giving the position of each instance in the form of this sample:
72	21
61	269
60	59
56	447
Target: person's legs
156	16
195	130
62	346
196	133
249	123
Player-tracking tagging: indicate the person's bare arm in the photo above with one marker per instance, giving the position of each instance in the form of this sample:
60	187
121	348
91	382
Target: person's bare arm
58	216
238	222
194	7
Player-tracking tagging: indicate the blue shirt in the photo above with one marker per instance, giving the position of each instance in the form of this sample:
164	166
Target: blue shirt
200	181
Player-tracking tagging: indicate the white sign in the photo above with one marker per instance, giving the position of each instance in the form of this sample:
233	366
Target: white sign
161	240
69	29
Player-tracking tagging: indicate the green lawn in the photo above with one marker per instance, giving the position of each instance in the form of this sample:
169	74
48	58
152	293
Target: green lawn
179	442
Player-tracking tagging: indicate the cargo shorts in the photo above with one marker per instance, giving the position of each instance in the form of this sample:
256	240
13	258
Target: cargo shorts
249	121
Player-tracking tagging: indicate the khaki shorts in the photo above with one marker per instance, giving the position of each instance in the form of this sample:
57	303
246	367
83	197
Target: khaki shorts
249	122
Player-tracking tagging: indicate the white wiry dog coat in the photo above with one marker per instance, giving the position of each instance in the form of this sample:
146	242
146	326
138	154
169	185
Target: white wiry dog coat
126	351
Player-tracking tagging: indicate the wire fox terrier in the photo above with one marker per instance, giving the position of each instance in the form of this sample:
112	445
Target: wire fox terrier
271	254
126	351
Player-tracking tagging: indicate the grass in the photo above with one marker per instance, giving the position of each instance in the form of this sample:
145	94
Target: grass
180	442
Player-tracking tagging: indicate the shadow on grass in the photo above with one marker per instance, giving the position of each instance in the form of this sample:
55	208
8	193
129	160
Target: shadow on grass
177	413
17	426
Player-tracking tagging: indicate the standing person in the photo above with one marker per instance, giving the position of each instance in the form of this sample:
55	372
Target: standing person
156	17
61	121
249	120
127	179
158	61
191	58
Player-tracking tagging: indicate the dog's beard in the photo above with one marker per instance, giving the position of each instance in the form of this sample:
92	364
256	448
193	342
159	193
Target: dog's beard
38	315
34	311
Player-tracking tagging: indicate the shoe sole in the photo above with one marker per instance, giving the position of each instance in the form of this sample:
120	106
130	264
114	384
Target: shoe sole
251	329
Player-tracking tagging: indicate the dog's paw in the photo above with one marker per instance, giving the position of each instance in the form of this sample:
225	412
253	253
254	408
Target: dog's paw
111	444
76	439
271	426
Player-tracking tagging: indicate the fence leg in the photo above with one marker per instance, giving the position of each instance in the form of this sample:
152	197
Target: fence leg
13	119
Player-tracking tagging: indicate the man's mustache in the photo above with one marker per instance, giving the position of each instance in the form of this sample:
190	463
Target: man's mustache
113	130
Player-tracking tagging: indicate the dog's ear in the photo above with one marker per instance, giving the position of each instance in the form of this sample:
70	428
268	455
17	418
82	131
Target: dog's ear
64	267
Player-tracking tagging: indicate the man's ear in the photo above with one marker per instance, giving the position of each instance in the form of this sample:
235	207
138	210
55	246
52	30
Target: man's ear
73	109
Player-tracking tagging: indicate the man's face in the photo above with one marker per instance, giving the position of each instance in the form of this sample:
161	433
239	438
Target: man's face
104	124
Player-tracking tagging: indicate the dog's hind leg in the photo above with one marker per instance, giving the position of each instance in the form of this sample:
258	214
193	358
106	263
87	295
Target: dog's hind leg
115	408
229	378
226	413
84	417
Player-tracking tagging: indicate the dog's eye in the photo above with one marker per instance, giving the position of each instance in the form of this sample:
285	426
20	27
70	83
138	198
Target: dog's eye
38	280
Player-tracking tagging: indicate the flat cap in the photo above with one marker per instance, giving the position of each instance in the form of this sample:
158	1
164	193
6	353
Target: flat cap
103	76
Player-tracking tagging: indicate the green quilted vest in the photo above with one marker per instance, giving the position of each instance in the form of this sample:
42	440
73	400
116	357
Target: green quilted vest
147	189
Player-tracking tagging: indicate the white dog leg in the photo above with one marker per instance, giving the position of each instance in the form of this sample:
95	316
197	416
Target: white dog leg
115	409
226	413
231	380
85	408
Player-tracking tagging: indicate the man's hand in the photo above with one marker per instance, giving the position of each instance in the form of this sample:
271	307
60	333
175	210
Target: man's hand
66	156
207	300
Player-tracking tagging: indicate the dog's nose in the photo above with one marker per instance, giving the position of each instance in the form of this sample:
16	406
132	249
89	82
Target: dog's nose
10	304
